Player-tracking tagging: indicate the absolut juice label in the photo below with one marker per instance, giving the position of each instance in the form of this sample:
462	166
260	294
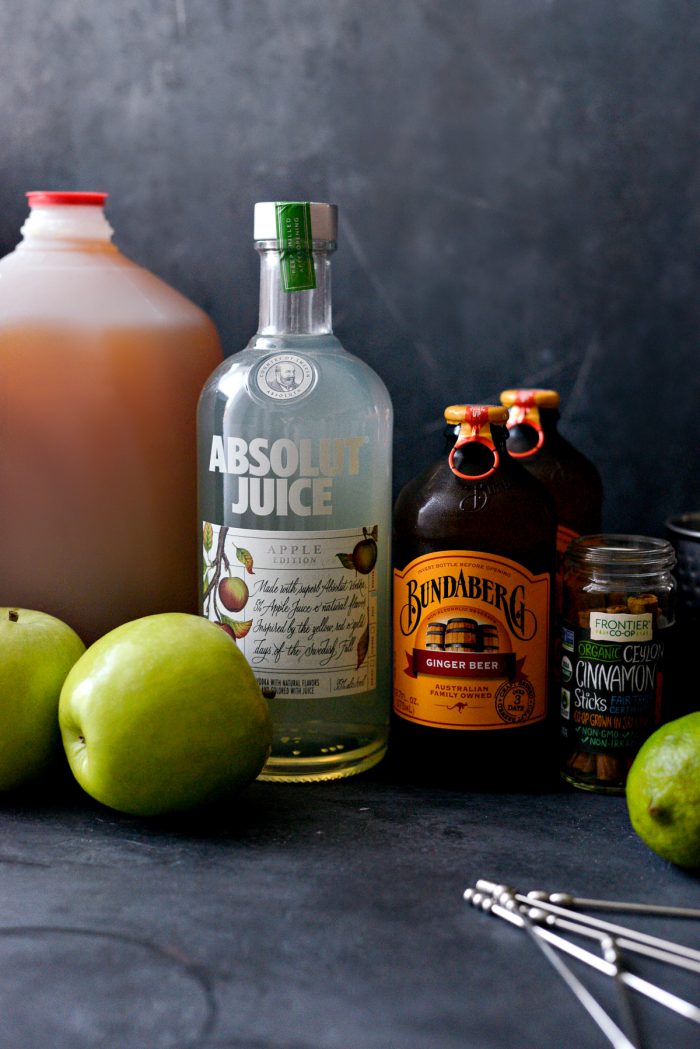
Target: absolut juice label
302	606
611	682
471	641
284	477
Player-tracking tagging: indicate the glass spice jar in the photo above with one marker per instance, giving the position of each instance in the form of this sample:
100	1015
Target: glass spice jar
619	610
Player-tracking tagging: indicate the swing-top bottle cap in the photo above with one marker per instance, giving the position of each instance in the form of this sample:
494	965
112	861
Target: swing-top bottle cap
485	413
524	395
323	218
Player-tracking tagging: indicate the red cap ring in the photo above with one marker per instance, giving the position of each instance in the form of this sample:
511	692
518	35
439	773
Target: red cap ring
39	197
474	440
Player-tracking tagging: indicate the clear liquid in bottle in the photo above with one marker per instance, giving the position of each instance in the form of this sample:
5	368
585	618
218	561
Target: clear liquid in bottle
295	503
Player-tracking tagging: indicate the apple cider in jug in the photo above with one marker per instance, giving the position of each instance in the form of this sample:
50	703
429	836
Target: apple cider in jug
101	365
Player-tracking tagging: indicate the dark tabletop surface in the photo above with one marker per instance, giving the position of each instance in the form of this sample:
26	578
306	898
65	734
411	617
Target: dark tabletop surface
326	916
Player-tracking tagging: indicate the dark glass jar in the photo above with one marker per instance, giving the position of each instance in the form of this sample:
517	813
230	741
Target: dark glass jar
474	553
619	611
571	478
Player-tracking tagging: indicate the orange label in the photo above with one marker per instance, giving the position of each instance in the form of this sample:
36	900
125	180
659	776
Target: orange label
471	641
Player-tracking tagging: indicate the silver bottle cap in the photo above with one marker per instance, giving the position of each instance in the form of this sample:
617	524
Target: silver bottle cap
324	220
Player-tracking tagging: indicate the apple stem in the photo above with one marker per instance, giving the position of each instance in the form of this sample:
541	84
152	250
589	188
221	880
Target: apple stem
220	558
13	615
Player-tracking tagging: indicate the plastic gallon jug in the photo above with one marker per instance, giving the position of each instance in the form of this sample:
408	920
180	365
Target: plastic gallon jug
101	366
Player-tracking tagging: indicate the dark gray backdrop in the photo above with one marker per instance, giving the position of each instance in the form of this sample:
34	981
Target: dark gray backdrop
518	185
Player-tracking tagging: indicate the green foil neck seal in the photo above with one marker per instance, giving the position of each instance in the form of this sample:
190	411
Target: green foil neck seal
296	246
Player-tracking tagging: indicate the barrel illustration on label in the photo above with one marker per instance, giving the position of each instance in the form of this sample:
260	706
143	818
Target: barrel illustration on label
470	641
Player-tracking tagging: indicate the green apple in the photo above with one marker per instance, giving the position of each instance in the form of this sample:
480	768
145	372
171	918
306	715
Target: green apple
36	652
164	714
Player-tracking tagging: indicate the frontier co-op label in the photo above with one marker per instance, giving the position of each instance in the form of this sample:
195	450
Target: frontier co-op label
611	681
301	605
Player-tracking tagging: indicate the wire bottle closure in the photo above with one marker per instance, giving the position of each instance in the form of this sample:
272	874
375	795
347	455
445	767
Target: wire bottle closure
474	428
524	404
525	412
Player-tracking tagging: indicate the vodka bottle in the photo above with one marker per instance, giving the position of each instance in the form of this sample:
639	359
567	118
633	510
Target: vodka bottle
295	503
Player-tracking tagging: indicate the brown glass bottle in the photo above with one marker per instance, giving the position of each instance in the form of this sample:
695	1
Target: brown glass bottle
474	553
572	479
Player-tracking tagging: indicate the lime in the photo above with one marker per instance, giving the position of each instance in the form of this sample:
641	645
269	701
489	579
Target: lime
663	791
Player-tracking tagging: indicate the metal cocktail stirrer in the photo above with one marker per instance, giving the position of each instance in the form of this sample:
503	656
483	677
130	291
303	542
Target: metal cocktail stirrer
660	954
611	953
636	983
564	899
535	915
607	1025
675	953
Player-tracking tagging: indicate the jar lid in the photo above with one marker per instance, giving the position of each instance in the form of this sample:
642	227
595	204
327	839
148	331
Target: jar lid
621	552
685	526
491	413
42	198
324	219
525	396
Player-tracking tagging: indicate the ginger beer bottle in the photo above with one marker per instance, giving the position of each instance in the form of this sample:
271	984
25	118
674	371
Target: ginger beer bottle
571	478
474	549
295	504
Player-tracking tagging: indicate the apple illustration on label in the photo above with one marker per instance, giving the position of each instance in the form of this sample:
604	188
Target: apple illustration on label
36	652
163	714
364	555
233	593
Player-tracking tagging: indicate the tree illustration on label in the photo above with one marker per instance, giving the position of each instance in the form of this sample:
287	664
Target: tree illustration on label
246	558
208	536
233	627
231	590
208	542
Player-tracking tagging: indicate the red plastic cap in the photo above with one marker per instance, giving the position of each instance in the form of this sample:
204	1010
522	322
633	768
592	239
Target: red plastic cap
42	198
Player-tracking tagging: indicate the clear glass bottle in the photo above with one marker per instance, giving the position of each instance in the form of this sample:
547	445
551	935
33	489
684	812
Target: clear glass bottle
295	502
474	547
619	611
101	367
